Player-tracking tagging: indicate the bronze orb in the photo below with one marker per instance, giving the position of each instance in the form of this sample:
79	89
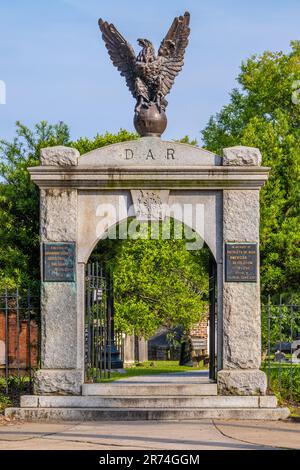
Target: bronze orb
150	121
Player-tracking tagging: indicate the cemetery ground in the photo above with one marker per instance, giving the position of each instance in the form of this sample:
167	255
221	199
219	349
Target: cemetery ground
148	368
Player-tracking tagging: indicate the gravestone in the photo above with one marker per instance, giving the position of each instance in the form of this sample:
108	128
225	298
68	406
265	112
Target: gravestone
296	351
279	356
2	352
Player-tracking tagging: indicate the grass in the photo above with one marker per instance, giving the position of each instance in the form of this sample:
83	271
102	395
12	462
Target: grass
285	384
4	402
150	368
16	387
277	365
295	413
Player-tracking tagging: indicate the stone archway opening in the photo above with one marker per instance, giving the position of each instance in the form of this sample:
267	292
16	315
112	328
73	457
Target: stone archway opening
130	252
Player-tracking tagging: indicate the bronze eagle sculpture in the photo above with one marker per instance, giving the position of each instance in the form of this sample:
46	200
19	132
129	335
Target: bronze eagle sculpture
149	76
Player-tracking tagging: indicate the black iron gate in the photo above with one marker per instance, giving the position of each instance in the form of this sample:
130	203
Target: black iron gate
281	346
101	354
19	342
212	319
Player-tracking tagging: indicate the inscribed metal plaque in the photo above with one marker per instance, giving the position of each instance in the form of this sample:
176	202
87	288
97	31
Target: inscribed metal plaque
241	262
59	262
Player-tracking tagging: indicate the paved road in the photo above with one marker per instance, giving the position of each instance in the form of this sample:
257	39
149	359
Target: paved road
147	435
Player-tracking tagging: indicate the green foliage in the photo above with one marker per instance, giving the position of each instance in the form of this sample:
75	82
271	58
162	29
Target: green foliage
4	402
19	197
156	282
261	114
186	140
84	145
285	381
278	324
11	389
19	202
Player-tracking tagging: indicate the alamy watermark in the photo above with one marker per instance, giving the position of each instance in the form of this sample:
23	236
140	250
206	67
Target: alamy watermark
2	92
158	221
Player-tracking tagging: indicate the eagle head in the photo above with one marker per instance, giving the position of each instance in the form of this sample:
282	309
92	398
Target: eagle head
144	42
147	54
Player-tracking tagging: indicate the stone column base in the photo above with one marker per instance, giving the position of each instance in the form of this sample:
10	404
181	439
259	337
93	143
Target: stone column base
242	382
58	381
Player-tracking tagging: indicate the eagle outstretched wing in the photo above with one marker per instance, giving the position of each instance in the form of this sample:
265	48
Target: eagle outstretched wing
120	52
172	50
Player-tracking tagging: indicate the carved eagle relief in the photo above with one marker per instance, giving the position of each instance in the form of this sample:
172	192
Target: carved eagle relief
149	76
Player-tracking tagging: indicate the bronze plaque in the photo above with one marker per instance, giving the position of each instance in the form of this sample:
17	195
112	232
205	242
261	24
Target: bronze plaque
59	262
241	262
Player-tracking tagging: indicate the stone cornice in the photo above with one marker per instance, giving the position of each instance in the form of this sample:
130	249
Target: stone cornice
207	177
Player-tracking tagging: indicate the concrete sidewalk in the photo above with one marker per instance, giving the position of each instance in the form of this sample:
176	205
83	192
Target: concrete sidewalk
151	435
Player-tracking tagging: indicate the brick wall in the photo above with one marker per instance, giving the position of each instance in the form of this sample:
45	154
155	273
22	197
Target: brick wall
18	342
200	329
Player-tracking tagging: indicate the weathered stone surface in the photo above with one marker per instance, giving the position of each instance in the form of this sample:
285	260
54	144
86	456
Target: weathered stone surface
29	401
59	382
240	155
241	215
242	382
125	414
241	326
121	388
149	151
59	325
58	214
155	402
59	156
100	210
150	204
241	300
241	304
267	401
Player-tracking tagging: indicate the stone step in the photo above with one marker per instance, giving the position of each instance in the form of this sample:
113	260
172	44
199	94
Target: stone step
142	414
144	389
152	402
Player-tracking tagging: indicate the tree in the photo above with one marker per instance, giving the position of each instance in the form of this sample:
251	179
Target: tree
19	197
265	113
19	203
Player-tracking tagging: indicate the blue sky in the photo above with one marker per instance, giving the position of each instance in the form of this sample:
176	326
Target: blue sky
56	67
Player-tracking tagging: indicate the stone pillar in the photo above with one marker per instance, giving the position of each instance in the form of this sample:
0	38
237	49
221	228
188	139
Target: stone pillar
240	374
61	353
